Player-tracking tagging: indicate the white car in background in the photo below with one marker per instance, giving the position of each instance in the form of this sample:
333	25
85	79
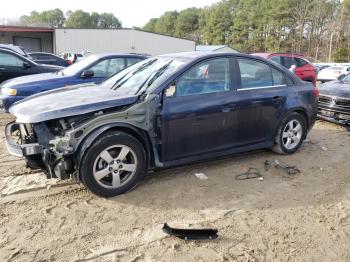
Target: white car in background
332	73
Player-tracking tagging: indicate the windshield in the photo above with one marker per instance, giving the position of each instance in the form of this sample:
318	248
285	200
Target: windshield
78	66
143	75
346	79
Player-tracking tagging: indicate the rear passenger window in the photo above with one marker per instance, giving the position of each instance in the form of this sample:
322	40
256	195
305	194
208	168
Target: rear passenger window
278	77
254	73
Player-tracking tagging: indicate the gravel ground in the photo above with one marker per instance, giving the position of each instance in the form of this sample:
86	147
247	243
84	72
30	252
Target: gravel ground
304	217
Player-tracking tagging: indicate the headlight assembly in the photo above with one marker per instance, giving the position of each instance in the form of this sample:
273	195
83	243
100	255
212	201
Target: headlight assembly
8	91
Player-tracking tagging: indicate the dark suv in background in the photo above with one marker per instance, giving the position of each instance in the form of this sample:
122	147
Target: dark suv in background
164	111
14	65
294	62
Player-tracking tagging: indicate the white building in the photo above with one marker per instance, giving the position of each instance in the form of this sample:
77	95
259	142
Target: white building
215	48
35	39
118	40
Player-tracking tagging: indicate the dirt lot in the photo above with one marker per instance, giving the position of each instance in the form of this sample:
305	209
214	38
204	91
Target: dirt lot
305	217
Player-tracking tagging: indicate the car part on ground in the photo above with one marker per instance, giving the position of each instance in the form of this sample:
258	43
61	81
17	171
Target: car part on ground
162	112
93	69
296	63
334	101
290	170
250	174
331	73
191	234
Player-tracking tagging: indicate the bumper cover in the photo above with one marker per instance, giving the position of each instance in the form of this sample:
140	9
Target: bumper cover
12	146
16	149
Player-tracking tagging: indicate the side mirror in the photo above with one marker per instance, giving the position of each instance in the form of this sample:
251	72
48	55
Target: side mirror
26	65
87	74
170	91
340	77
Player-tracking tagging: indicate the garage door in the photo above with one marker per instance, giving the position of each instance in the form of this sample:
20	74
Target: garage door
29	44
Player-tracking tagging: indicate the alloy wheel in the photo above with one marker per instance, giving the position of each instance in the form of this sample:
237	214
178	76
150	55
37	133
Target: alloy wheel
292	134
115	166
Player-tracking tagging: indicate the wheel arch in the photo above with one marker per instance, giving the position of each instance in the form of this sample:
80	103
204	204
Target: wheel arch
299	110
141	135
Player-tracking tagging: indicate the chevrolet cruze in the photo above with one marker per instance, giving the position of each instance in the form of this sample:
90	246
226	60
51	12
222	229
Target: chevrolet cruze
164	111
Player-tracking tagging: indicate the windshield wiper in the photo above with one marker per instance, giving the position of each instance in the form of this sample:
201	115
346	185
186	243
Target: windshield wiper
139	69
158	73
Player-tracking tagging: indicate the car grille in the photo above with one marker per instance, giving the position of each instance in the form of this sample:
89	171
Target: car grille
334	107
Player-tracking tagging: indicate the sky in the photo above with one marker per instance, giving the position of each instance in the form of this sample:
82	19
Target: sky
130	12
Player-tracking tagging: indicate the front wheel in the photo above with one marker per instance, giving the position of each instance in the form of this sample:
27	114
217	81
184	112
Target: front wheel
113	165
291	134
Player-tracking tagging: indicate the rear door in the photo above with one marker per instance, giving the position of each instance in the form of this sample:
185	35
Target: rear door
197	111
262	94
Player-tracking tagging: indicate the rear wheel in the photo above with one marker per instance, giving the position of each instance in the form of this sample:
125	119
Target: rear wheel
291	134
113	165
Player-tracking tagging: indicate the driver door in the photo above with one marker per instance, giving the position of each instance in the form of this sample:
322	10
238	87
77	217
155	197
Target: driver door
198	111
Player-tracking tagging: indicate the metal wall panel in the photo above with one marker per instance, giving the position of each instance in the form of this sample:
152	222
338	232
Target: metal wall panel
118	40
45	38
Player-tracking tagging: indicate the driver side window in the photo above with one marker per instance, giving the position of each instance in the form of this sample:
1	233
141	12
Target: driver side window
210	76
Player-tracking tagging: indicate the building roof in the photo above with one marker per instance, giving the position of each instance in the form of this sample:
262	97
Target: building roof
209	47
6	28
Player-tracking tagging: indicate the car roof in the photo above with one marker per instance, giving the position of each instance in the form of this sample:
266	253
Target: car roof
267	55
103	55
10	51
190	56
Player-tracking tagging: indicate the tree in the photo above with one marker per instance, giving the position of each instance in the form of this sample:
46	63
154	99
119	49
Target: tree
166	23
52	18
79	19
187	24
151	25
108	20
217	23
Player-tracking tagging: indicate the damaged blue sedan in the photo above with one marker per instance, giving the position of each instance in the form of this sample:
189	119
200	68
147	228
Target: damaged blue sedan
164	111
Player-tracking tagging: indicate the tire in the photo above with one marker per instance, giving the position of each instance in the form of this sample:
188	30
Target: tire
113	165
281	145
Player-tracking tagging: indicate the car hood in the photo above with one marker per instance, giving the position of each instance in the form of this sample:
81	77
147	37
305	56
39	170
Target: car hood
335	88
31	79
65	102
